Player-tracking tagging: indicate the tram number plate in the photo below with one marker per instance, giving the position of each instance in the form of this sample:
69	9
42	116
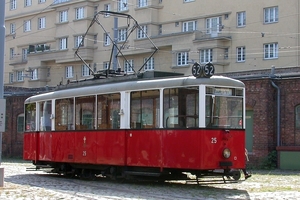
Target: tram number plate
203	70
213	140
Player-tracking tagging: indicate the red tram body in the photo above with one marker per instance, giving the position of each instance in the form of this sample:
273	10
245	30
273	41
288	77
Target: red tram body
133	128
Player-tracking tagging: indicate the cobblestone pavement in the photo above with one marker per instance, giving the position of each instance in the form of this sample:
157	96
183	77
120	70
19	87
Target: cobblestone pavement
22	184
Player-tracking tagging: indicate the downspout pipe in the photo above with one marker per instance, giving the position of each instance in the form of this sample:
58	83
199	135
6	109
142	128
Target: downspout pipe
272	76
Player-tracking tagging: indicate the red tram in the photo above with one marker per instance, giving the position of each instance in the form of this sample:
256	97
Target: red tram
157	127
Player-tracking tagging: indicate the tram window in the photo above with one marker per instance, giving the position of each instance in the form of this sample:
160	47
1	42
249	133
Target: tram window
64	114
85	112
144	109
181	107
108	111
224	112
30	114
45	113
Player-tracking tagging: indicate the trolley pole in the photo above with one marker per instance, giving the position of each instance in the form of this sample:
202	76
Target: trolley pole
2	101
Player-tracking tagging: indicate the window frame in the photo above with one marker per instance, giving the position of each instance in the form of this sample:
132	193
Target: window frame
13	4
206	55
271	15
142	32
149	66
241	19
85	71
182	58
271	52
20	123
63	16
42	23
129	66
27	25
78	41
79	13
63	43
189	26
241	54
122	5
27	3
20	76
69	71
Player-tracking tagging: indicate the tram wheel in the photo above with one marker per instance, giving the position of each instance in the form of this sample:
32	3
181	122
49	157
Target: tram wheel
236	174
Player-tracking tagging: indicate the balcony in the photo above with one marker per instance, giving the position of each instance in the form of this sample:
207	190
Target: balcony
38	48
203	36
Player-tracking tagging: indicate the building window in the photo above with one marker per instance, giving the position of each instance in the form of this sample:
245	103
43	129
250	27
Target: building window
27	26
59	1
63	16
182	58
79	42
142	32
149	64
106	39
85	71
63	43
213	25
27	3
11	53
42	1
128	66
11	77
42	22
95	39
271	15
24	54
12	28
297	117
34	74
185	1
271	51
122	34
20	123
142	3
69	71
226	50
79	13
20	75
206	55
240	51
122	5
105	65
13	4
106	8
241	19
189	26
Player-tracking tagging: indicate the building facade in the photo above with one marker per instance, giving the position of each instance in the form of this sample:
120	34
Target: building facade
243	38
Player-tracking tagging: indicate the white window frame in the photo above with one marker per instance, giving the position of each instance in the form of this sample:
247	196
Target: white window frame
213	25
27	25
189	26
241	54
142	32
63	16
69	72
128	66
79	13
142	3
42	1
122	5
11	77
206	56
182	58
85	71
12	28
24	54
271	51
271	15
63	43
241	19
11	53
27	3
13	4
106	39
42	22
107	8
78	41
122	34
149	65
20	76
34	74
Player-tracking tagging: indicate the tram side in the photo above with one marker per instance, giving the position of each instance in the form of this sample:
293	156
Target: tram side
157	128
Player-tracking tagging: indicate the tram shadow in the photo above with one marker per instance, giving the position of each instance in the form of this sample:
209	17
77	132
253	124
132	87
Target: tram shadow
214	189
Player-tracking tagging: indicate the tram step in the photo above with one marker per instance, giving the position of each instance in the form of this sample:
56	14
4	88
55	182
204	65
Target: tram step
153	174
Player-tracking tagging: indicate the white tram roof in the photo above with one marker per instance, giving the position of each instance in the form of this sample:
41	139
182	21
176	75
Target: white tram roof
137	84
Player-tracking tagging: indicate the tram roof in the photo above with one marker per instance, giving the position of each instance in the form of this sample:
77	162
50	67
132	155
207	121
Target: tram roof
137	84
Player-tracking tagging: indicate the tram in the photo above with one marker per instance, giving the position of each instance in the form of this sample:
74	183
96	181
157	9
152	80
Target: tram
160	128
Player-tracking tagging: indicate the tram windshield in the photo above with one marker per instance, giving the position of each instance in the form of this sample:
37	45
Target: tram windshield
224	109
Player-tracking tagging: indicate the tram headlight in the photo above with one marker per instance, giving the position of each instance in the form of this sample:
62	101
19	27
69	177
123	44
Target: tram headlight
226	153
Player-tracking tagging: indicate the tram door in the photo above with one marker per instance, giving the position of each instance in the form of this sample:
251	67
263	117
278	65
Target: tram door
249	130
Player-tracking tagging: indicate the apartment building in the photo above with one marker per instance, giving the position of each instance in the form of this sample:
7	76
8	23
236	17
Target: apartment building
240	38
43	35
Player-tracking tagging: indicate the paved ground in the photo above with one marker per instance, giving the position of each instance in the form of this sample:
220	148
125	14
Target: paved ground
22	184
